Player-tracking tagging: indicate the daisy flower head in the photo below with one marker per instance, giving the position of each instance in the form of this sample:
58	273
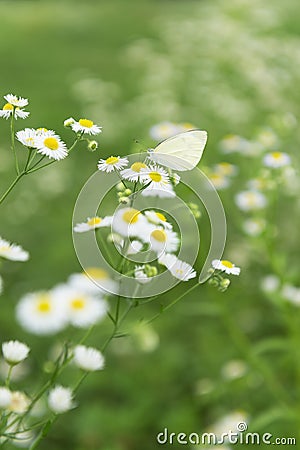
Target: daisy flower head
128	222
219	180
156	176
164	240
225	266
94	281
225	168
12	252
5	397
250	200
41	313
163	130
140	275
27	137
112	163
82	310
86	126
88	358
42	131
14	352
133	173
60	399
275	160
19	402
92	223
254	227
157	218
51	146
179	269
16	101
8	110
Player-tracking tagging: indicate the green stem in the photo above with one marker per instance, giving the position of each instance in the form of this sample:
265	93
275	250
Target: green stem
16	180
12	132
7	381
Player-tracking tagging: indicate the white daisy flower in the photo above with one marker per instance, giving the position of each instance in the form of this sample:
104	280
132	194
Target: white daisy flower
51	146
163	130
27	137
86	126
82	310
155	176
250	200
225	266
268	138
16	101
219	180
69	122
94	281
225	168
140	275
42	314
14	352
5	397
88	358
276	160
128	222
60	399
134	171
179	269
13	252
157	218
166	192
233	143
260	184
164	241
19	402
112	163
93	223
42	131
8	110
254	227
270	283
291	294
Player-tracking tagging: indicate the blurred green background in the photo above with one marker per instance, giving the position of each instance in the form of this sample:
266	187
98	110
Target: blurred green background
228	67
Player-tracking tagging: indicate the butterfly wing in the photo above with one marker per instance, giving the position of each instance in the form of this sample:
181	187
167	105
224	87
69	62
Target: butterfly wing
182	151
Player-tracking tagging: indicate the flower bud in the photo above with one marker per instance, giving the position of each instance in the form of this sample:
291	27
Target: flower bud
69	122
92	146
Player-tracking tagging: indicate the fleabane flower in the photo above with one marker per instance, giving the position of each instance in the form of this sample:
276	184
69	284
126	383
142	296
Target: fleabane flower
82	310
254	227
163	240
93	223
60	399
179	269
51	146
128	222
88	358
86	126
27	137
16	101
219	180
5	397
14	352
41	313
250	200
12	252
225	168
112	163
157	218
163	130
8	110
225	266
155	176
94	281
277	160
133	173
20	402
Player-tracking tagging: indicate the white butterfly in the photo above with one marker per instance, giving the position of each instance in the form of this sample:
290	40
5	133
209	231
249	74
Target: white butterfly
180	152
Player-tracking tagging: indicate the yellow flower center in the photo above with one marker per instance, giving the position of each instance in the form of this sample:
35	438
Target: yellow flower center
227	264
44	304
188	125
95	272
86	123
161	216
78	303
30	141
8	107
4	248
131	216
112	160
42	130
155	176
276	155
159	235
94	221
137	166
51	143
251	198
179	271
